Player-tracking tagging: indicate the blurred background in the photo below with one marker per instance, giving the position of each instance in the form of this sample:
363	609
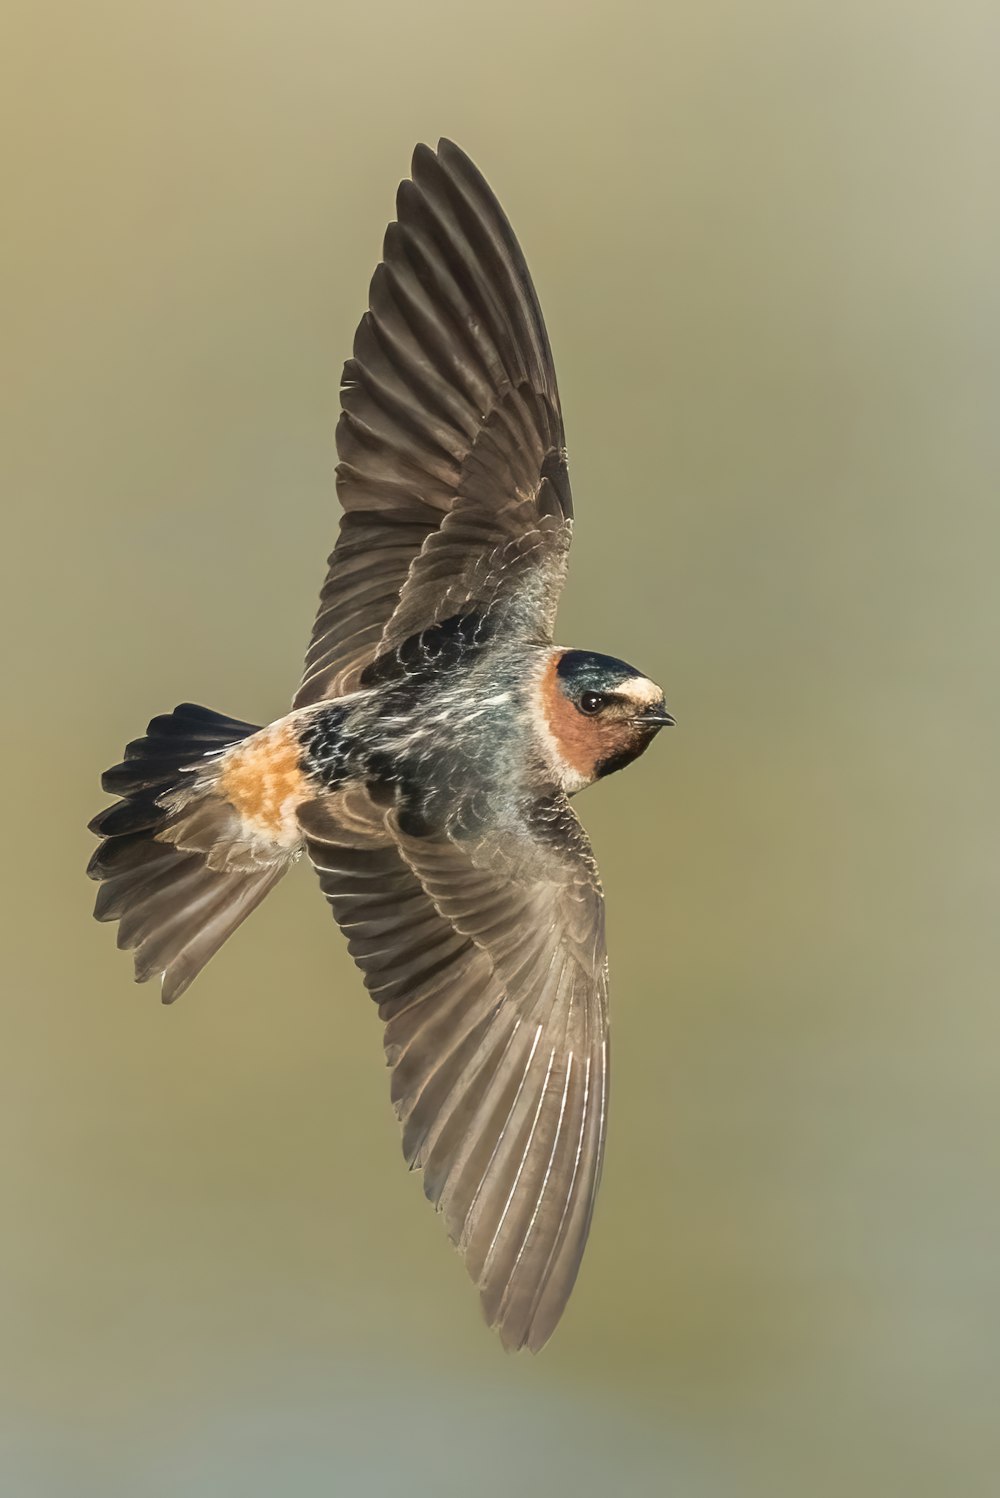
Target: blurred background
766	240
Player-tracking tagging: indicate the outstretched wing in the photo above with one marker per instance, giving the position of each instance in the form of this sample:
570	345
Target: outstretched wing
452	470
492	982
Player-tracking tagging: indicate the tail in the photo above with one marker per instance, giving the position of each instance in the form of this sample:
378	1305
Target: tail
180	865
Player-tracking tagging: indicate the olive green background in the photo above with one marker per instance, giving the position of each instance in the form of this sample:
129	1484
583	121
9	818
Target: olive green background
765	236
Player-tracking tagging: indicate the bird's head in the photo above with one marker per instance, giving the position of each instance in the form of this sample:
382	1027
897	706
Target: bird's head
596	714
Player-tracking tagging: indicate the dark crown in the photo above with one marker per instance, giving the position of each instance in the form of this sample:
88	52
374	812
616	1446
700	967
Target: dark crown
586	671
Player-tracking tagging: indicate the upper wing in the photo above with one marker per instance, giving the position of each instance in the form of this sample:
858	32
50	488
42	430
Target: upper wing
452	467
493	986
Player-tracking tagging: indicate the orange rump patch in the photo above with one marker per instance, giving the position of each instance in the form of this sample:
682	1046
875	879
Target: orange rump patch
262	781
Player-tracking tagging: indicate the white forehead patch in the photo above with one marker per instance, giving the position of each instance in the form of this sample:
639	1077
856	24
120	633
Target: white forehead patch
640	690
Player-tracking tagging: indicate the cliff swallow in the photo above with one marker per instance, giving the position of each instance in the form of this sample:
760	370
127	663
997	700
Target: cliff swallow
428	760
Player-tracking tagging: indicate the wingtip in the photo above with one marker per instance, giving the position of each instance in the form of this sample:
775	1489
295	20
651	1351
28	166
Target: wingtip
459	163
515	1336
423	154
446	157
171	988
521	1343
445	147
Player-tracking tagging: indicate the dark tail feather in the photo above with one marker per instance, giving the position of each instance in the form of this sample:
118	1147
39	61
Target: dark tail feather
173	910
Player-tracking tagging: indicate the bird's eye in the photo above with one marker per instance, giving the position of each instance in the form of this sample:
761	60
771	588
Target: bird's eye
591	702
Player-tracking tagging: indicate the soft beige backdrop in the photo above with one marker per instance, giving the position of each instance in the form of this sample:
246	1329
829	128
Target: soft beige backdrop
766	239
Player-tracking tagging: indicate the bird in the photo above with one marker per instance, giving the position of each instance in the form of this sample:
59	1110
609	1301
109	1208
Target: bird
427	764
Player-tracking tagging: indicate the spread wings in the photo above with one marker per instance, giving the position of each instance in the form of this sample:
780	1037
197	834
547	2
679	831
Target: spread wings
452	470
491	977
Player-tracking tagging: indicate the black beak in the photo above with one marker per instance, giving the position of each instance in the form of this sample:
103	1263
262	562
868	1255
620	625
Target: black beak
656	717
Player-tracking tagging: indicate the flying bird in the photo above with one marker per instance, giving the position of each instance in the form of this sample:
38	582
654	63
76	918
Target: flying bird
427	764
